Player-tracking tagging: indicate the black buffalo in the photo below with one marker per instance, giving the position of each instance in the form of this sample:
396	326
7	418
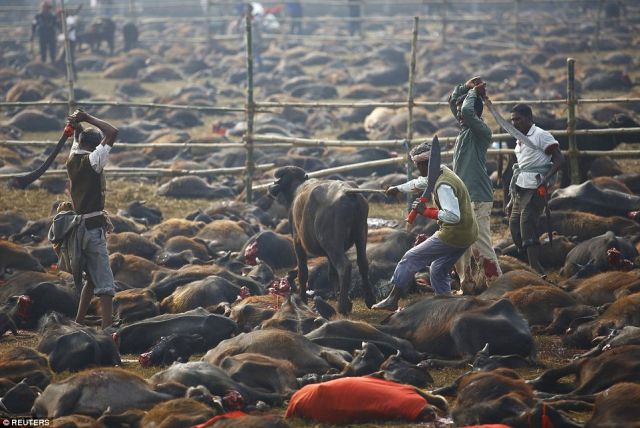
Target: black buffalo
326	221
590	198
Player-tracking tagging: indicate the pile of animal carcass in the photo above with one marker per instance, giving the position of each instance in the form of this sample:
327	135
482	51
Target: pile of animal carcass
208	284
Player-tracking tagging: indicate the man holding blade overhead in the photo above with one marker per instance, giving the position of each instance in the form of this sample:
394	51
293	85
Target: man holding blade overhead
458	228
82	232
469	163
539	159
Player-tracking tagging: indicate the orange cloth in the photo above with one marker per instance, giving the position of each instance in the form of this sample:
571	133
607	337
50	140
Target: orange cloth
356	399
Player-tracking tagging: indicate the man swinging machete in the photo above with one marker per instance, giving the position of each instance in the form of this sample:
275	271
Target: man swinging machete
538	160
81	233
452	209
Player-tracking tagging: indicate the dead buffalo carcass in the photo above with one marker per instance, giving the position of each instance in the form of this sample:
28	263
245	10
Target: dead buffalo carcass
326	221
91	392
592	375
458	327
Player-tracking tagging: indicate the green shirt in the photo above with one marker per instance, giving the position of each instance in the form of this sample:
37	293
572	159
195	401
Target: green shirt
470	151
465	232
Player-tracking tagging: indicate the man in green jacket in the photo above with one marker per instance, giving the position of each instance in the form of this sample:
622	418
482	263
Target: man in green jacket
469	163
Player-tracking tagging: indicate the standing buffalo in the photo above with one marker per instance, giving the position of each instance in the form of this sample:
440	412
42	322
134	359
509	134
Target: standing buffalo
325	220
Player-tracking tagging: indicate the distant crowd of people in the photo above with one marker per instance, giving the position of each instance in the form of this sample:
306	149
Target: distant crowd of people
47	27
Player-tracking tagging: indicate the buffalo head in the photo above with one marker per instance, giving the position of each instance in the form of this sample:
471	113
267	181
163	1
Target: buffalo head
288	178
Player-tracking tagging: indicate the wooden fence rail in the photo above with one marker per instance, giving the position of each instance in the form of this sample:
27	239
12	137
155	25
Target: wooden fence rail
272	141
157	172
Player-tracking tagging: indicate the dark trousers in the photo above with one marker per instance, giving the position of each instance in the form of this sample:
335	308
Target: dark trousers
296	26
525	217
354	25
47	45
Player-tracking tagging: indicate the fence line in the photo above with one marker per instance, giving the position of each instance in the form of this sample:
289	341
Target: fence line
157	172
479	20
163	4
266	141
166	172
121	104
266	105
401	159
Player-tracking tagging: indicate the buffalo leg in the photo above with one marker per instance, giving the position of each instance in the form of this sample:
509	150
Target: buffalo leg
574	404
548	381
438	363
363	267
303	271
343	267
334	279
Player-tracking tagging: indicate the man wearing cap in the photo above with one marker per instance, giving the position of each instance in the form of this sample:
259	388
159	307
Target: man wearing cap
469	163
458	230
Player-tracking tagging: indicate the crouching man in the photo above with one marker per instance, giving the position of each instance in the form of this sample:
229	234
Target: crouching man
458	229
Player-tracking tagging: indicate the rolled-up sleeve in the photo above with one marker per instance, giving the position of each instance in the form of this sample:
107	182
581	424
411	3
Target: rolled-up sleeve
99	157
546	141
415	185
449	206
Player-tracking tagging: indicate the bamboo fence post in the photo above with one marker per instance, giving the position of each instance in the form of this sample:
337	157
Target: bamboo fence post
412	74
444	5
516	22
571	121
67	58
132	10
207	14
250	107
596	42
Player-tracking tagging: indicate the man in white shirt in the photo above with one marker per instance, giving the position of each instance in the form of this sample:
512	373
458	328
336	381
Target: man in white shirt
458	230
89	155
537	164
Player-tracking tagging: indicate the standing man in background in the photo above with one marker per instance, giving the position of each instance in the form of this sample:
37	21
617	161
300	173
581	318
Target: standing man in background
44	24
71	17
469	163
294	10
354	14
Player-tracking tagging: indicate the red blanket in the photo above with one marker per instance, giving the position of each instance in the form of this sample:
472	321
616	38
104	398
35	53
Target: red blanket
355	400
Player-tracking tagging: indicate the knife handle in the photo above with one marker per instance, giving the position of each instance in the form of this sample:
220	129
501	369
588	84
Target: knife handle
412	216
